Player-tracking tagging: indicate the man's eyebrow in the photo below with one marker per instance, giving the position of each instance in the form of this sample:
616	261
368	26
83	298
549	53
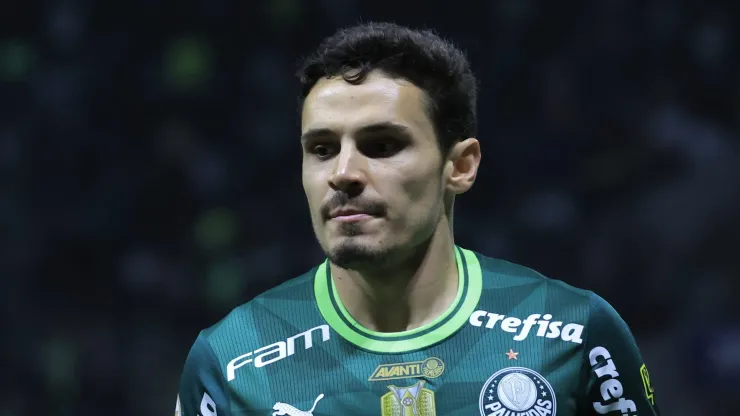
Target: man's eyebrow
385	127
316	133
375	128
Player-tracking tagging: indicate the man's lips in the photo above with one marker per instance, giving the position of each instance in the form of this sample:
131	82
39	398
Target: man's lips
349	215
352	217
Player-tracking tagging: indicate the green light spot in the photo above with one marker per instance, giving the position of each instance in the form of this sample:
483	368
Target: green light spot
188	63
216	229
225	284
16	60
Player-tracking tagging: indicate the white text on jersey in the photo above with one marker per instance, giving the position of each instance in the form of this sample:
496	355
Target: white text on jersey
611	389
274	352
547	329
207	406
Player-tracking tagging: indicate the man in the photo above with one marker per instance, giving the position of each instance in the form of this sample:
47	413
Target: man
399	320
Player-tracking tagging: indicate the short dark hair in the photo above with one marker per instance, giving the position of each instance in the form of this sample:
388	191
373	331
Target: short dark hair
421	57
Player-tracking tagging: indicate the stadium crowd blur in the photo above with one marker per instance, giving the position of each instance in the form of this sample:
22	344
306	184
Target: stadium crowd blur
150	169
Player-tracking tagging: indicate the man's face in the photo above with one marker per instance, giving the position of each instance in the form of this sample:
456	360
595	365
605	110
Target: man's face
371	169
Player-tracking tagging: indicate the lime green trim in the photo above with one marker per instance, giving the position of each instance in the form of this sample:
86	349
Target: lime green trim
447	312
338	318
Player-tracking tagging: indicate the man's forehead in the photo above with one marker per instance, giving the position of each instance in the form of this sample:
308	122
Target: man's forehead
336	104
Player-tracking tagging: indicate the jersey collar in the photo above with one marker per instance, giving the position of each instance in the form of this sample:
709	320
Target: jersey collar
470	284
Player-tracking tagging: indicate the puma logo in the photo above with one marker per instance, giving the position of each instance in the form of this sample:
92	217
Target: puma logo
284	409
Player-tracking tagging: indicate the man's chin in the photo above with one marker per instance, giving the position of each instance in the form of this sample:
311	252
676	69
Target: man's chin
356	255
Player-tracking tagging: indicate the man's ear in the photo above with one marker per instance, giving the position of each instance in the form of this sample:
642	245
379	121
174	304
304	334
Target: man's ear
461	165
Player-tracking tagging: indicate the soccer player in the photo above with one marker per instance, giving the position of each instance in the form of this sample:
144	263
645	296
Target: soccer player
398	320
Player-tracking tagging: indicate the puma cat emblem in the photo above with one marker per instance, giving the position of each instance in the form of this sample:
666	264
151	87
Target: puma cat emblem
284	409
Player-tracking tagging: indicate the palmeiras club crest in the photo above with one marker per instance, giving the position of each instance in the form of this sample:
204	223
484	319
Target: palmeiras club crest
519	390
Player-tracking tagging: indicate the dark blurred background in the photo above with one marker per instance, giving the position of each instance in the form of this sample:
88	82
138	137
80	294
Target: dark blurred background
150	177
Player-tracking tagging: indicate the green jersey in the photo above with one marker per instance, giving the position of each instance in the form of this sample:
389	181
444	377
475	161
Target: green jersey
513	343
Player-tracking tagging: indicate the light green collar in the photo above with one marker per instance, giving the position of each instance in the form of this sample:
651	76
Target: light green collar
468	294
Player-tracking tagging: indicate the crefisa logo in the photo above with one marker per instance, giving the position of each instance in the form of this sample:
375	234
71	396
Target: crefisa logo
517	391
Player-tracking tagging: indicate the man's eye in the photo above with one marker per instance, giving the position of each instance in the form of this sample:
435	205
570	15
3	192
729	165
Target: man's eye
383	148
322	151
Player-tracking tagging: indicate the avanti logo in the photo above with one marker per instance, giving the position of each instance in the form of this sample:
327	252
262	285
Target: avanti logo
546	327
274	352
430	368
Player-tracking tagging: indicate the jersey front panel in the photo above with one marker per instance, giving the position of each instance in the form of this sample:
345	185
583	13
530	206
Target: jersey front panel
447	379
522	350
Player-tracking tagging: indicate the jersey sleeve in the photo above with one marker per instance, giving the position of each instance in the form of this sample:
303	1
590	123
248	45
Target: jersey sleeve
617	381
202	390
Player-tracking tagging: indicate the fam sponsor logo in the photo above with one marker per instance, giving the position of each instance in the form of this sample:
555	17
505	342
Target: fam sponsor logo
546	327
517	391
277	351
432	367
609	385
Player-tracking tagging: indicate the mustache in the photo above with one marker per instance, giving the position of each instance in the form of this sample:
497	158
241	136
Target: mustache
341	199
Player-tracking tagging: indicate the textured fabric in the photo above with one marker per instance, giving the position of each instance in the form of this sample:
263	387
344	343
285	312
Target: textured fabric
527	345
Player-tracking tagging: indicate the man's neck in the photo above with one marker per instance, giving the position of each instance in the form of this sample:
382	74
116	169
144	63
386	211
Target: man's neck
406	297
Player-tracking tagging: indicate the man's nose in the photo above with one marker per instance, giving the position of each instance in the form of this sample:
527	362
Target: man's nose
350	172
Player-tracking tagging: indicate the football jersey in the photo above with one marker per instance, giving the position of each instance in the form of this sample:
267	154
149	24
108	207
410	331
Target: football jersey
512	343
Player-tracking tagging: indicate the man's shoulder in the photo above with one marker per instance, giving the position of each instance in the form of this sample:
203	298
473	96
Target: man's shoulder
502	274
273	306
